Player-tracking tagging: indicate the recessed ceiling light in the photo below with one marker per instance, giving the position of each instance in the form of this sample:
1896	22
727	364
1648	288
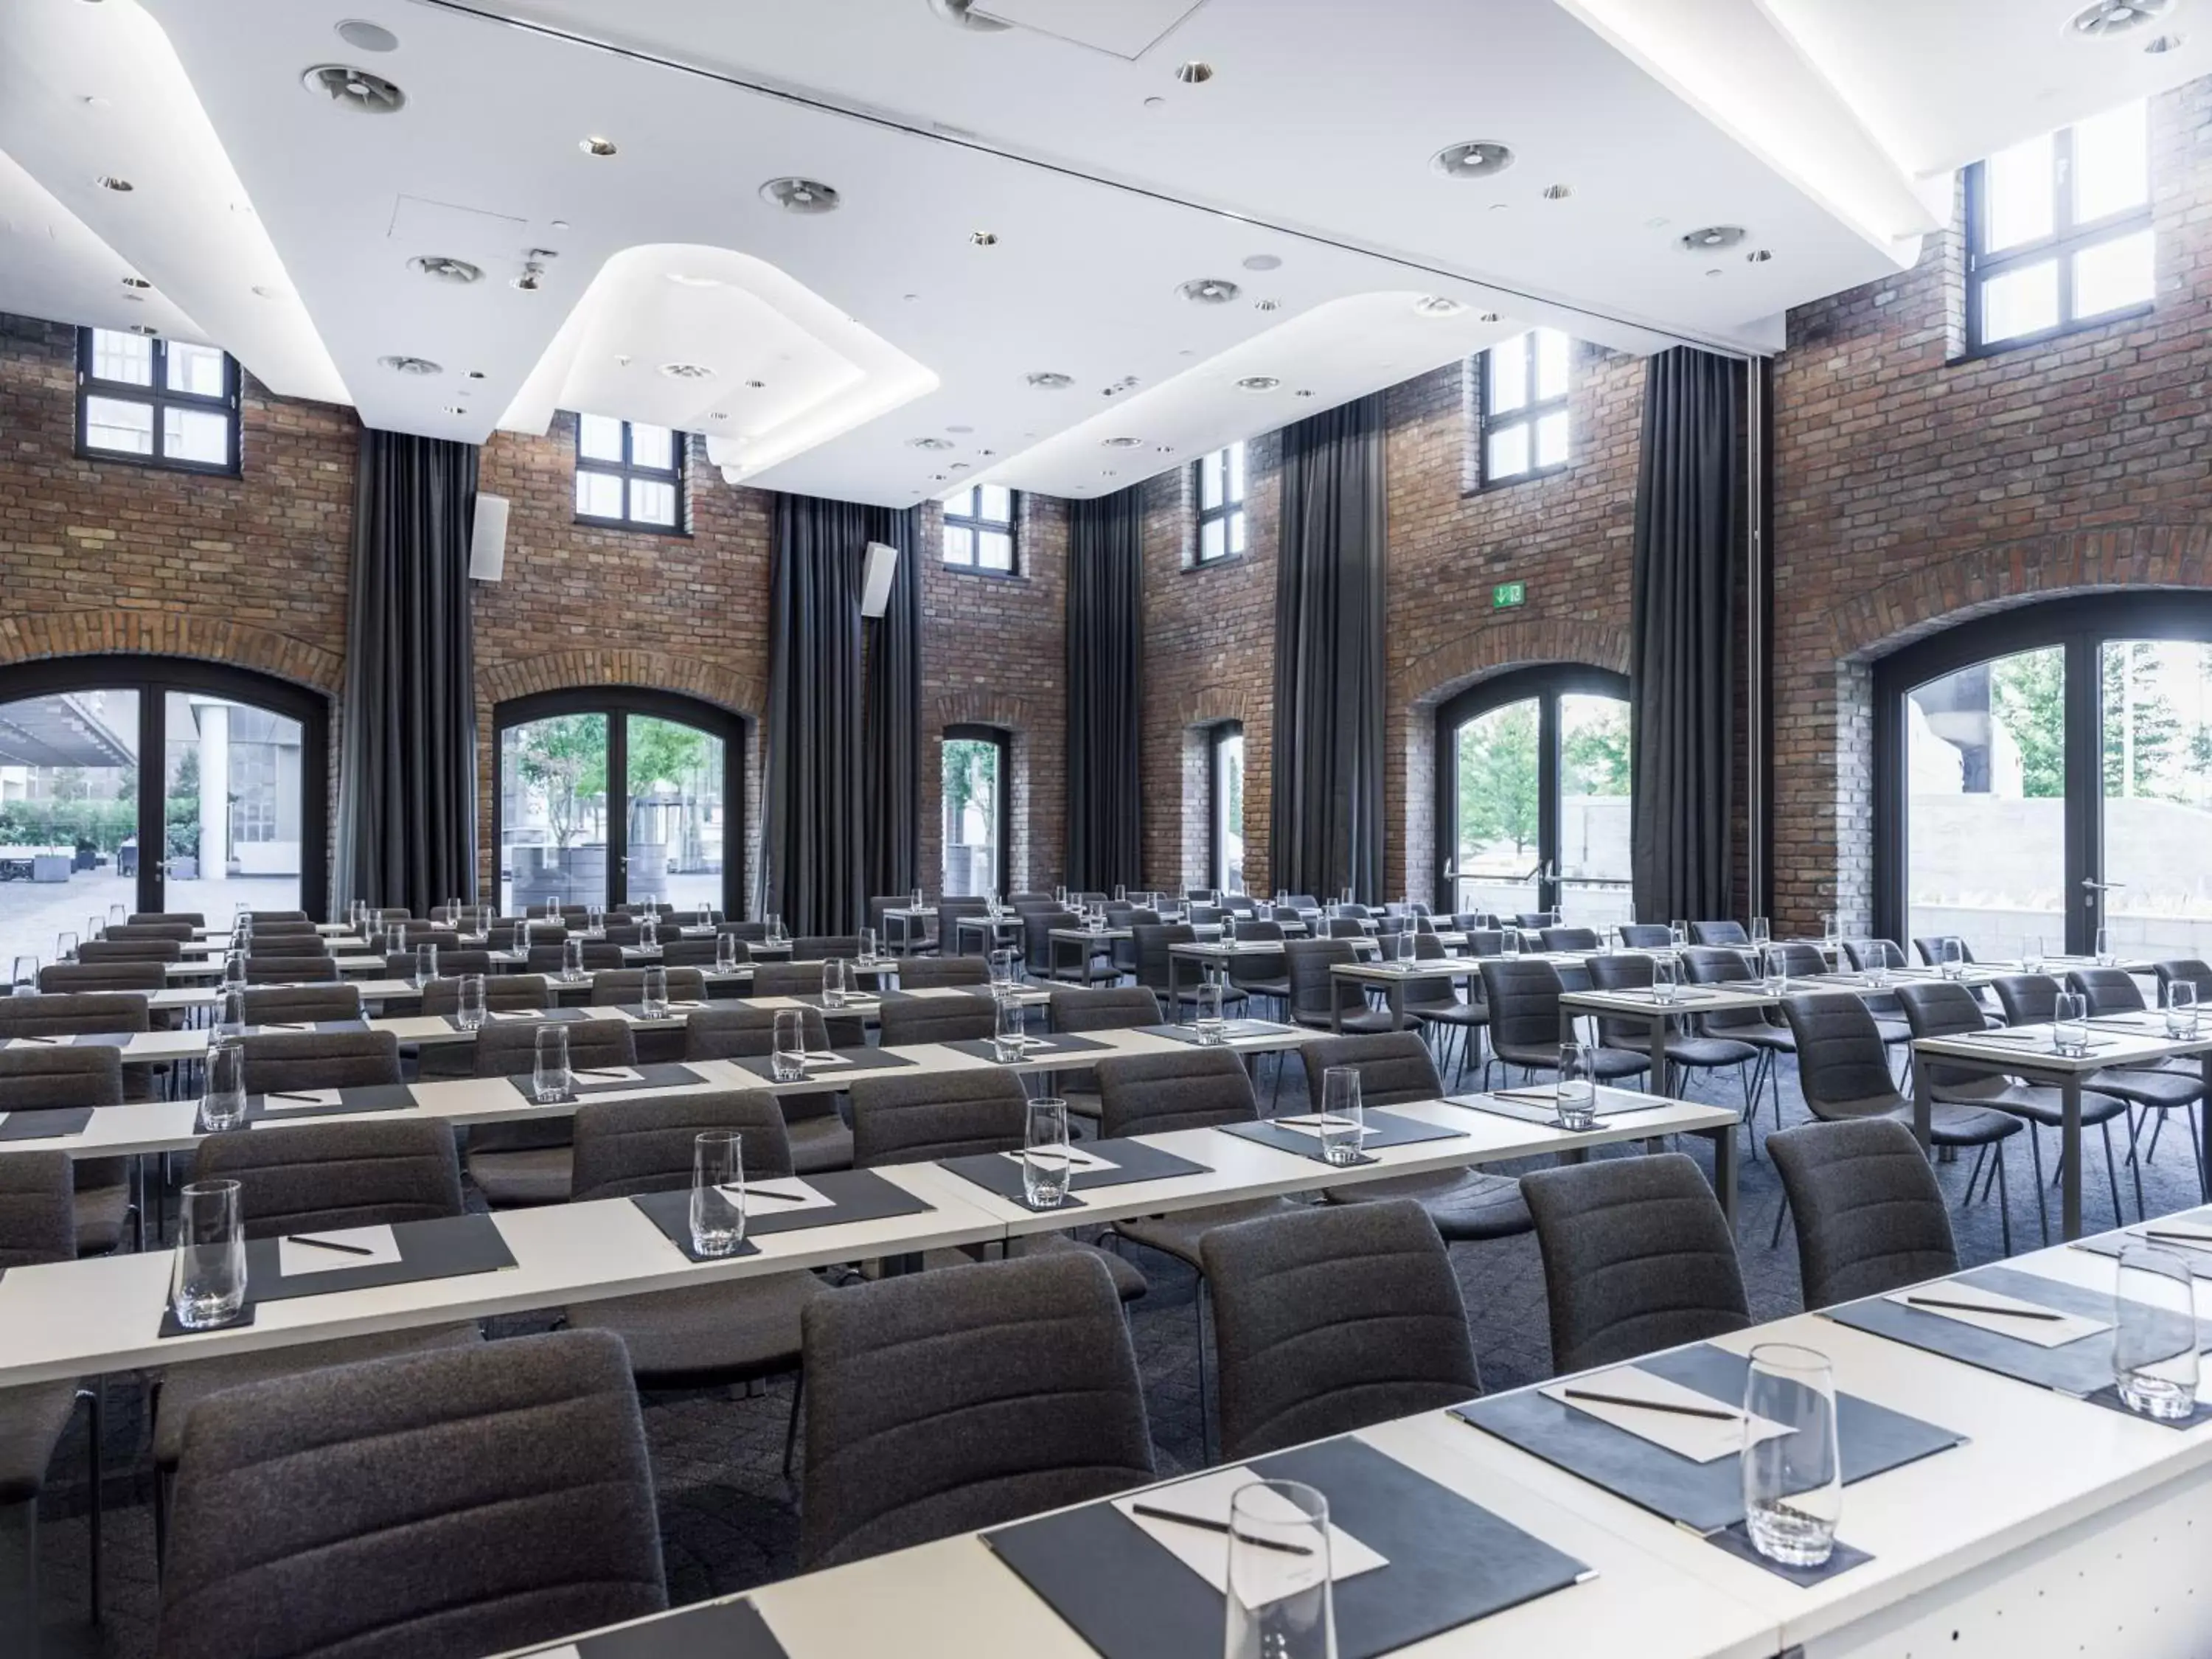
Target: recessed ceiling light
1478	158
960	431
1263	262
558	224
475	374
93	100
1164	449
2110	17
1437	305
961	14
109	181
1758	256
403	365
1046	380
445	268
1267	305
457	409
687	371
147	328
368	37
1258	383
1108	473
532	280
938	478
1711	239
1557	193
756	386
984	238
2159	45
692	279
601	146
796	195
929	442
1121	443
718	415
355	90
1208	290
1195	73
1303	392
261	292
1714	271
136	281
957	466
1156	102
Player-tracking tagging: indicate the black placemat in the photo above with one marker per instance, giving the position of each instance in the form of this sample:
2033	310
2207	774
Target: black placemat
2198	1256
1383	1129
44	1122
856	1194
665	1074
1704	1497
1133	1161
1233	1030
1736	1541
675	1225
856	1061
727	1630
1041	1049
371	1097
1451	1562
1610	1104
2109	1398
451	1247
170	1327
2079	1368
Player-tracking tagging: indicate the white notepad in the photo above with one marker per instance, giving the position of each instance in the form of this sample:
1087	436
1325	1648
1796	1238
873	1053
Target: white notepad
1206	1552
1079	1161
587	1076
2043	1333
294	1258
299	1100
809	1197
1700	1439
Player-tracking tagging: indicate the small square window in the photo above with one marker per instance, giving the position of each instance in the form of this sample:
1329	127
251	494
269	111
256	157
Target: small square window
1526	429
629	474
160	403
979	532
1221	506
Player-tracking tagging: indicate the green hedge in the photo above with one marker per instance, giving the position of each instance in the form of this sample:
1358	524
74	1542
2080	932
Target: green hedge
106	823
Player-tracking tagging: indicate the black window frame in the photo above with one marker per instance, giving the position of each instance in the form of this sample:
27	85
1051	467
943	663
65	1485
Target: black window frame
2066	240
977	525
630	471
1528	414
1002	809
1231	509
1216	740
158	398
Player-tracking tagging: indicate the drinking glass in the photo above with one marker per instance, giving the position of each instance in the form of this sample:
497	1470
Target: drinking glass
1009	1029
233	971
915	901
65	947
1121	893
550	1079
470	1015
24	978
1044	1154
833	983
2181	1009
788	1062
652	995
725	953
2155	1333
1576	1096
1831	929
649	932
117	916
1774	971
2031	955
2070	1024
868	944
705	917
241	933
1281	1603
2106	959
1509	943
1793	1484
230	1012
1954	954
595	921
1762	932
223	1101
1345	897
1060	897
426	964
1207	1016
1002	970
94	927
1663	988
1343	1123
775	933
718	1192
207	1277
572	959
1875	955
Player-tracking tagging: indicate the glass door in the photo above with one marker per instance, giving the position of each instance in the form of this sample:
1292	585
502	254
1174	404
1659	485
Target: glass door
1596	887
674	823
972	809
553	815
2151	887
1227	826
1500	811
68	819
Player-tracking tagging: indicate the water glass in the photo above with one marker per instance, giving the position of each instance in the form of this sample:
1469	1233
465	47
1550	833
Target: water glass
1002	970
550	1079
1577	1095
572	959
1793	1484
2181	1009
653	993
1044	1154
2031	955
915	901
1345	897
1060	897
230	1013
775	933
94	927
704	916
207	1279
1509	944
117	916
223	1101
718	1192
2155	1333
1213	1027
426	964
1774	972
233	971
24	978
1875	955
2106	959
595	921
1664	987
787	1063
1281	1603
1010	1027
1762	932
725	953
833	983
65	947
1954	962
1343	1124
470	1014
868	944
2070	1024
649	932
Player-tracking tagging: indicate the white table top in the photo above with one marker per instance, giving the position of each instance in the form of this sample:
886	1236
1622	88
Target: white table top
2112	1042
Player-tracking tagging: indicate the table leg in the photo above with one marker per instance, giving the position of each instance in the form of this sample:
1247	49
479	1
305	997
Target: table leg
1662	1074
1336	1005
2069	1151
1922	1125
1725	1170
2204	1127
1175	988
1397	997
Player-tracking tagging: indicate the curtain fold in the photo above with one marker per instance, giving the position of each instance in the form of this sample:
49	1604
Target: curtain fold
891	720
1105	691
1689	533
407	781
1325	828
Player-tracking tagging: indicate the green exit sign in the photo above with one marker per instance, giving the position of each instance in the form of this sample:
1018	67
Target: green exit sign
1506	595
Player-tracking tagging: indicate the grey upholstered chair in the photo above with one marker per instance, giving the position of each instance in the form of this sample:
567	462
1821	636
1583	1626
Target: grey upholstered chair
1565	939
1263	973
1719	932
1076	1010
941	1402
1436	1005
937	1019
1714	964
1646	935
924	972
135	949
291	970
310	1177
618	987
820	947
1637	1256
1330	1320
320	1060
179	930
289	1005
72	1013
701	953
1870	1218
2158	1086
1321	1001
33	1077
503	993
524	1163
432	1506
451	964
1688	1050
80	977
189	918
737	1031
1524	995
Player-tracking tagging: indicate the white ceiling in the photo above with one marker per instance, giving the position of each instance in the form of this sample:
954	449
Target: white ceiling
1106	181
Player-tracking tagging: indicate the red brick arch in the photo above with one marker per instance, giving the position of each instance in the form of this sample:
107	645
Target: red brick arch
1491	647
978	706
1212	705
1026	857
28	638
656	671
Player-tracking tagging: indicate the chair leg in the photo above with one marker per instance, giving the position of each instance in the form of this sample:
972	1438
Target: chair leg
1780	1216
791	1429
2134	1164
93	1397
2042	1209
1973	1175
1205	1437
2196	1146
2004	1199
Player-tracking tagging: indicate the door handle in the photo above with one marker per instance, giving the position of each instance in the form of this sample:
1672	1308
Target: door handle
2103	886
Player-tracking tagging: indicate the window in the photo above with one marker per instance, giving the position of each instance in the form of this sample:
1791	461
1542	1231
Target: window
974	805
160	403
629	474
2058	233
979	529
1227	826
1220	506
1525	424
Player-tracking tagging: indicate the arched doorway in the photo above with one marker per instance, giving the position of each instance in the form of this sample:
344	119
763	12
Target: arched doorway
975	783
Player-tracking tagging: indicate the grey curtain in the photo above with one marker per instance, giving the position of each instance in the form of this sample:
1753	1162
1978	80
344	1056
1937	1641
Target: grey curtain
1326	830
1105	691
1689	533
892	719
407	780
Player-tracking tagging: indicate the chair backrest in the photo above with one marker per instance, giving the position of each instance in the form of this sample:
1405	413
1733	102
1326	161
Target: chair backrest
32	1078
1801	959
1345	927
1152	941
1942	1007
503	991
2185	970
190	917
617	933
1330	1319
787	979
364	1174
38	1209
1719	932
900	1119
1868	1214
451	964
293	1003
74	976
1632	972
945	1401
130	949
736	1031
1394	1067
937	1019
1037	925
752	933
117	933
286	938
1644	935
1718	965
2108	990
1315	991
1570	939
2026	998
1637	1257
468	1500
67	1013
1930	948
1103	1008
320	1060
926	973
615	987
511	1050
1152	1094
693	953
1842	1066
260	916
291	970
547	959
1864	953
430	932
820	947
627	1146
1524	1005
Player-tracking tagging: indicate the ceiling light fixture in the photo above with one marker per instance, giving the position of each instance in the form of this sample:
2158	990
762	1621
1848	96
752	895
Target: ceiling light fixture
1303	392
1437	305
475	374
457	409
404	365
1267	305
1208	290
359	32
957	466
136	281
962	15
929	443
2107	18
717	415
756	386
445	269
147	328
1557	193
797	195
1478	158
1046	380
687	371
1711	239
2159	45
984	238
1487	317
355	89
1121	443
1263	262
260	292
109	181
599	147
1758	256
1258	383
1195	73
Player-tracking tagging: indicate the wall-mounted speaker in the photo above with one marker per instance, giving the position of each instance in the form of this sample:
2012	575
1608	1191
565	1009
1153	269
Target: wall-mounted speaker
876	579
487	539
